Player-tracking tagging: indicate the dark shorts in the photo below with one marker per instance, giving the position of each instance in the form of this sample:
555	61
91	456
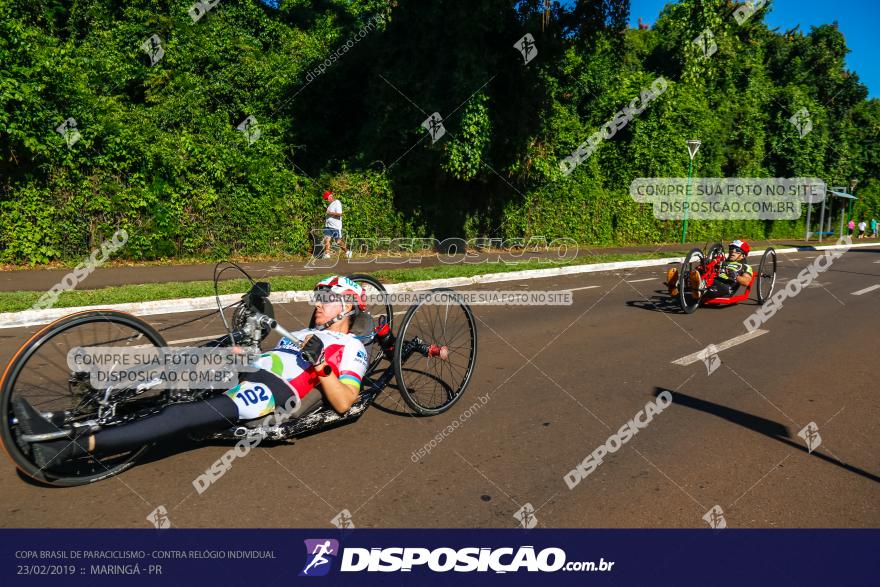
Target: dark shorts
722	289
333	233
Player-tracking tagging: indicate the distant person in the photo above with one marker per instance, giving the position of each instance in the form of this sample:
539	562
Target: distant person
874	228
862	227
333	225
851	226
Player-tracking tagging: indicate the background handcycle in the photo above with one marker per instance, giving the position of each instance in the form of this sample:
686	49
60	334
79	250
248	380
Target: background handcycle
699	270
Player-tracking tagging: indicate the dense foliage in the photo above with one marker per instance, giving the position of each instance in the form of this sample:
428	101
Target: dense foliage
339	90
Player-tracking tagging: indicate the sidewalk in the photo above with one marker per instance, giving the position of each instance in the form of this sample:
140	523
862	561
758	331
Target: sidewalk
44	279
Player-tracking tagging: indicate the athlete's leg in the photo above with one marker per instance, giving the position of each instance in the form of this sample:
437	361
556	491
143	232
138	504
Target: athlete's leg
257	394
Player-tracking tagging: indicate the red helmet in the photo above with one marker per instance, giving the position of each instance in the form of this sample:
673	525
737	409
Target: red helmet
327	195
742	246
350	291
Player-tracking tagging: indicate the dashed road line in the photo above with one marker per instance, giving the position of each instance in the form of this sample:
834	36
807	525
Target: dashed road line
698	356
646	279
866	290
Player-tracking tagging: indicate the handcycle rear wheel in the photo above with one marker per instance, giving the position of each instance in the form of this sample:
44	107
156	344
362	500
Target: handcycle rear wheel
714	251
689	299
766	275
435	352
39	373
372	287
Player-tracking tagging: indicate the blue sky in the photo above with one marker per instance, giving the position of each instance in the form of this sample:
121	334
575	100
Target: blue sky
858	20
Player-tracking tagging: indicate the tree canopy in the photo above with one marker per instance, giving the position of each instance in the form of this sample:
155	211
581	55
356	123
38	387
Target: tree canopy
339	89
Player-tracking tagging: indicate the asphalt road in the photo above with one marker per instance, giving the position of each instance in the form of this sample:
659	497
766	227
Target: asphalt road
558	382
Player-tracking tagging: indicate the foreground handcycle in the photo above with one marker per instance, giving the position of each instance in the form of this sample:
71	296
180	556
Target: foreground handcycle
699	270
431	358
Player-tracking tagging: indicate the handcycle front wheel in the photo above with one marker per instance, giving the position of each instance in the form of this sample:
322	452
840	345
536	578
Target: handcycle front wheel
766	275
688	296
39	373
435	352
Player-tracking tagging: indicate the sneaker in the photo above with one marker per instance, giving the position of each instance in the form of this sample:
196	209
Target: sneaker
326	256
348	254
695	285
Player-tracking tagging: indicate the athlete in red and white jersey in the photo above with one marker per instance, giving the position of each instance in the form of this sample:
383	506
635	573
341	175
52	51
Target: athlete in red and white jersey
330	365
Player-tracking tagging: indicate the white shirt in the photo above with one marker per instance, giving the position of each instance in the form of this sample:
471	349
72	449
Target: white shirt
331	222
862	225
344	353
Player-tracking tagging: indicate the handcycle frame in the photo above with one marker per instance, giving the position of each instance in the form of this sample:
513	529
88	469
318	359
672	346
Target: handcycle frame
708	270
252	322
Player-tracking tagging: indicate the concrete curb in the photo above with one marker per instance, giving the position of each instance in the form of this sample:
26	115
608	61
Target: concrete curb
36	317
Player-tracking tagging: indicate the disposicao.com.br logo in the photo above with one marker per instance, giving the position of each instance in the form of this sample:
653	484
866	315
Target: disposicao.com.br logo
445	559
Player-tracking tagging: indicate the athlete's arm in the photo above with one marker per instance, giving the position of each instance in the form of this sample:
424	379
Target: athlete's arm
339	395
745	278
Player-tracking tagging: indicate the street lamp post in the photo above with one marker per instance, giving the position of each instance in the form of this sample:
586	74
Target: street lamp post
693	146
852	191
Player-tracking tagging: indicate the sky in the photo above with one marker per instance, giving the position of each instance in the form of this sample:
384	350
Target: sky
858	20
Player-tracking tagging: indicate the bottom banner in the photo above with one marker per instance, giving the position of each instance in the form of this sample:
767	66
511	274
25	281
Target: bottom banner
428	557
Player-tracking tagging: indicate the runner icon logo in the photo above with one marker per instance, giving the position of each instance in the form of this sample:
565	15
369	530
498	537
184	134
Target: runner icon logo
343	520
526	516
320	553
715	518
810	434
709	356
159	518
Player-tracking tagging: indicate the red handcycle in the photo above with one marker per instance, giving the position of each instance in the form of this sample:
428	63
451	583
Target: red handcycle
699	271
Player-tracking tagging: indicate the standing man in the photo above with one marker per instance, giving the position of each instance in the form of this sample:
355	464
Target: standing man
333	225
862	227
874	227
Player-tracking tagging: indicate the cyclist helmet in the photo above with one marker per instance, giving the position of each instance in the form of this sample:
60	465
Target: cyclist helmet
350	291
739	246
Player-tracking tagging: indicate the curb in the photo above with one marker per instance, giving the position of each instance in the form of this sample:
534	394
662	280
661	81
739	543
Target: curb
26	318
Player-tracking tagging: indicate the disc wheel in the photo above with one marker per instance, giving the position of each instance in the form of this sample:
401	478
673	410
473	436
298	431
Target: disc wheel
688	296
371	288
435	352
766	275
39	373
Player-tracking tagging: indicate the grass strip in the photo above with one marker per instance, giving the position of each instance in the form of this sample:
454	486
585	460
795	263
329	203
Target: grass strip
16	301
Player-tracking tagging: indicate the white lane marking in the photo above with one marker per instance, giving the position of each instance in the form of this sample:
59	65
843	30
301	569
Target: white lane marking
646	279
866	290
875	262
795	259
580	288
698	356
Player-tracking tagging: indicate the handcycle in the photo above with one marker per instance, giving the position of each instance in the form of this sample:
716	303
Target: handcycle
431	357
699	270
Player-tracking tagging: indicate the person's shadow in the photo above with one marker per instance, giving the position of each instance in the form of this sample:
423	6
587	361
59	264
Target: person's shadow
769	428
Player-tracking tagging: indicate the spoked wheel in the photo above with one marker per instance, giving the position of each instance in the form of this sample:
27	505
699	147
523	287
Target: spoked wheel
376	309
766	275
39	373
690	281
714	251
435	352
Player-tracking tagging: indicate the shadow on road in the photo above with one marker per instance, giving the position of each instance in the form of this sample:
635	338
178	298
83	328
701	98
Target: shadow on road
768	428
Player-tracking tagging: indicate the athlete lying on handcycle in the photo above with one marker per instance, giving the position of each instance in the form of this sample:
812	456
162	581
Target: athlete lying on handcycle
330	365
732	273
